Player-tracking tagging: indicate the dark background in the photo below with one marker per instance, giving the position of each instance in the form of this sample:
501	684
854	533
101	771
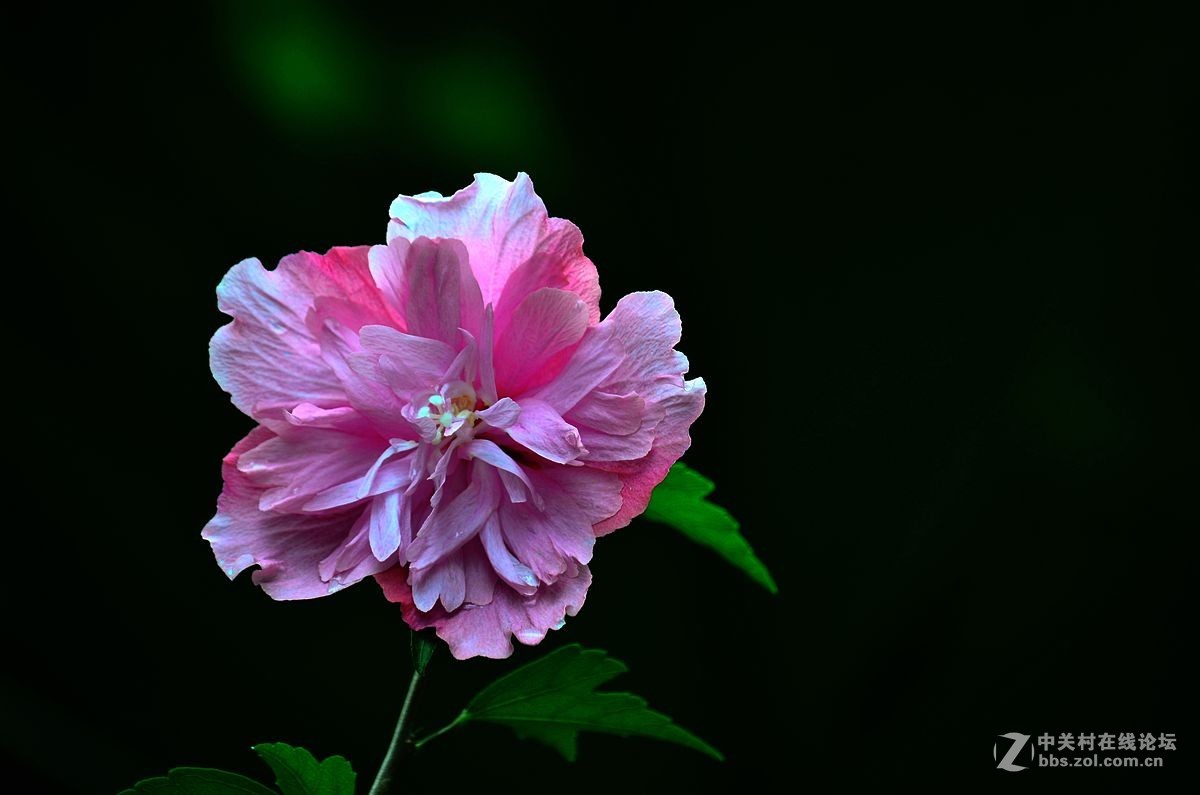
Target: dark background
936	268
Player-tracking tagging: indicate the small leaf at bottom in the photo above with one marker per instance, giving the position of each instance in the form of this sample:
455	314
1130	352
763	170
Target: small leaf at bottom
297	772
198	781
555	698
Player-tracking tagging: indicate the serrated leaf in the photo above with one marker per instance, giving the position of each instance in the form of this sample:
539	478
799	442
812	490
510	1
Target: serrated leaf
554	698
297	772
679	501
198	781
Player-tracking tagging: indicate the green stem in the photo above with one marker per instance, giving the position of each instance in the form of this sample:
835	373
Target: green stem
384	779
463	717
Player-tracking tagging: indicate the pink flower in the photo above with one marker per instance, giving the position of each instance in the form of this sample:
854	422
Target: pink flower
446	412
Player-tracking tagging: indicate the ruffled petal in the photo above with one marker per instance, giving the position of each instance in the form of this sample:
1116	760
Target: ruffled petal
404	362
504	226
457	521
266	359
288	548
680	410
293	468
533	347
443	581
598	355
487	630
502	414
352	560
558	262
550	541
541	429
429	284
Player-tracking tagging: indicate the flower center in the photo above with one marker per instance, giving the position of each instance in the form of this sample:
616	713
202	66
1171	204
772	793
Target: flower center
453	408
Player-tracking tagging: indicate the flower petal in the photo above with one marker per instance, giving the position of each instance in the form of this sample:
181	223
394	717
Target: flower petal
408	363
515	481
486	631
671	441
504	225
352	560
443	581
293	468
287	547
266	359
552	540
386	521
618	415
343	418
597	357
455	523
559	262
540	428
502	414
604	446
518	576
534	346
430	285
479	574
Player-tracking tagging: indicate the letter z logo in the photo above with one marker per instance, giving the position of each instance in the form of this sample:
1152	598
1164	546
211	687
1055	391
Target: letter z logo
1018	742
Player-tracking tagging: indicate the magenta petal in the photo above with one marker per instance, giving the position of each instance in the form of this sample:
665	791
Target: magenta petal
443	581
288	548
386	264
414	362
486	631
385	524
536	343
617	415
502	414
452	525
343	418
294	468
490	453
503	225
597	493
647	327
432	306
552	540
558	262
479	574
540	428
672	441
370	397
603	447
519	576
598	355
395	474
266	359
487	366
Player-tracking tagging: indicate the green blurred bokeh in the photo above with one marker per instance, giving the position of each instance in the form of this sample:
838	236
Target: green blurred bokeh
318	73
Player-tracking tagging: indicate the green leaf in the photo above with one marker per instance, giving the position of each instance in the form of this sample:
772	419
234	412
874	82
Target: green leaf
679	501
297	772
198	781
554	698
